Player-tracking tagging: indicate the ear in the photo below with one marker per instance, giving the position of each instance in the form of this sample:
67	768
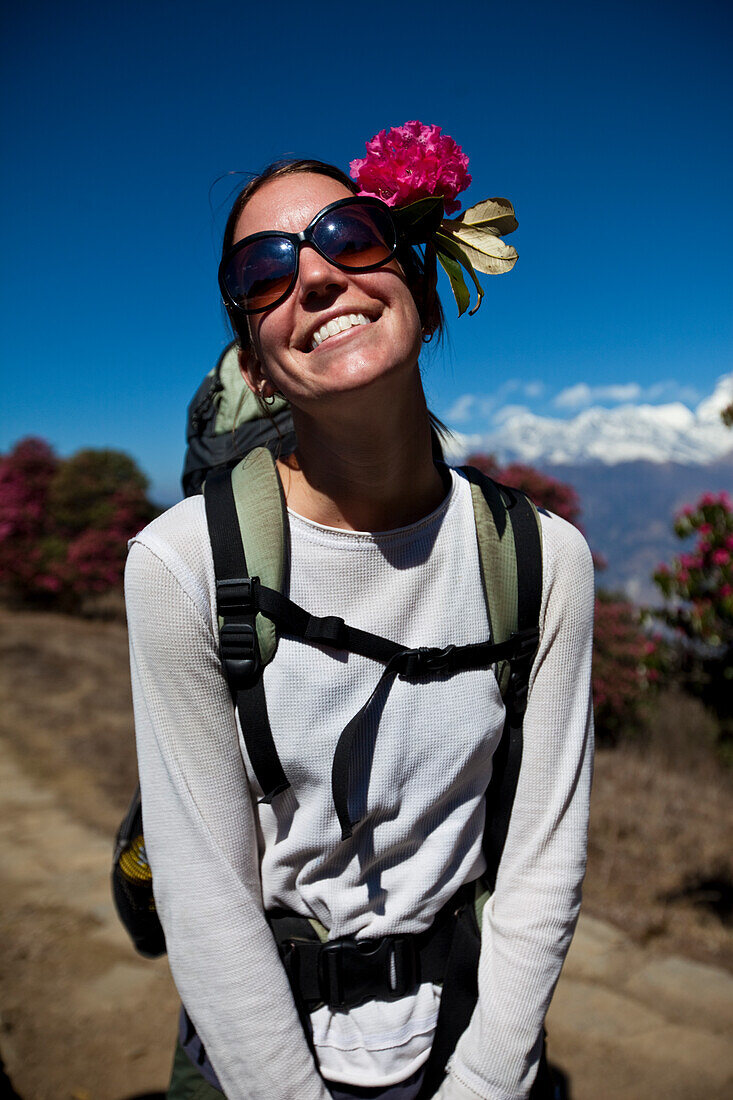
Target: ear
251	370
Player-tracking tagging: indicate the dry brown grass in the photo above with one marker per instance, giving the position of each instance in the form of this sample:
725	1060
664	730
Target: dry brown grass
662	807
660	842
66	708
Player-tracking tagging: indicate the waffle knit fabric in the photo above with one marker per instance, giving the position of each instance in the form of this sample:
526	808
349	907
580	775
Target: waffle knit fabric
220	859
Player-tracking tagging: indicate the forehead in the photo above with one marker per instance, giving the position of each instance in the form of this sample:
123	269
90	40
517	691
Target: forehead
289	203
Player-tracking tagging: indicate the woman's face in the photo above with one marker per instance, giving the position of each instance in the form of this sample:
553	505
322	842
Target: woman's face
285	358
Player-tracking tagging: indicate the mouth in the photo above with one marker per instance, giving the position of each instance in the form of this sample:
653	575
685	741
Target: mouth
336	326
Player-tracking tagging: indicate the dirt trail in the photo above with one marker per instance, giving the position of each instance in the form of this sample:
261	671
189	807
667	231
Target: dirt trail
83	1017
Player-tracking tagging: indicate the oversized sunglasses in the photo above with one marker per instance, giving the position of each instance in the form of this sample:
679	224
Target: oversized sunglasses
355	234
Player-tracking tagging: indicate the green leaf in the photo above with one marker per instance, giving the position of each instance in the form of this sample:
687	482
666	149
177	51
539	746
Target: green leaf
487	252
458	285
446	244
418	221
497	215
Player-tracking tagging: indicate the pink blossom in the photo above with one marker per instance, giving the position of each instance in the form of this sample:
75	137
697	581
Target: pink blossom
49	582
720	557
726	590
412	162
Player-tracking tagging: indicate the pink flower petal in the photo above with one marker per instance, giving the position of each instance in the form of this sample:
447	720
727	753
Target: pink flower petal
411	162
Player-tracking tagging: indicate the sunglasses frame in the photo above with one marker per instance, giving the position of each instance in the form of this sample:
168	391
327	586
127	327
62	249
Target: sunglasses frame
298	240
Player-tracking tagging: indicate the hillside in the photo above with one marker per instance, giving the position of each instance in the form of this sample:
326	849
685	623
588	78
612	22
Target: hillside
627	513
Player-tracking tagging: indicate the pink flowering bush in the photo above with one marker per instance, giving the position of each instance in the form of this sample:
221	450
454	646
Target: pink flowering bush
27	554
25	475
698	585
698	590
626	664
412	162
64	524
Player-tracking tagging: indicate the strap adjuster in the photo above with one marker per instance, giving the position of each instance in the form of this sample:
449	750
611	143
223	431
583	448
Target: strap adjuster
352	971
328	630
520	662
239	653
237	596
526	642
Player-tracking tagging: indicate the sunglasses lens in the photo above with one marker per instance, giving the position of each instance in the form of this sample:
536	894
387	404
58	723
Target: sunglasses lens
261	273
356	236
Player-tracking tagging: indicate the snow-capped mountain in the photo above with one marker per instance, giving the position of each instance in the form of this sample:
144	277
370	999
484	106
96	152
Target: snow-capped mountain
627	433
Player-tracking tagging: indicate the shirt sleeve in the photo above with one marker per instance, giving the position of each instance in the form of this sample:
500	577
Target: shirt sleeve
529	921
201	841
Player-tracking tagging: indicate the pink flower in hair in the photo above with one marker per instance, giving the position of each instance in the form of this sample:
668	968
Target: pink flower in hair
412	162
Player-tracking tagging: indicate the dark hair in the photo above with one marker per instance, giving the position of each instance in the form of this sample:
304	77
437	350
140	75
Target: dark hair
420	271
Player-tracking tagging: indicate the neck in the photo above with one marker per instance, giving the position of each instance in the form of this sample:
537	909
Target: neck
366	468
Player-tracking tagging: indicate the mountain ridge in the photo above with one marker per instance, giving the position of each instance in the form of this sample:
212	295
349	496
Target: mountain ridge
625	433
628	510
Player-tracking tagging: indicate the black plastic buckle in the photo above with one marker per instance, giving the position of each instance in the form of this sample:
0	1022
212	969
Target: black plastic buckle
526	642
419	662
517	695
237	596
352	971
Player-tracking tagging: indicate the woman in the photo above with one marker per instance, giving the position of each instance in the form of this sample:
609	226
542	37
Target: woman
382	538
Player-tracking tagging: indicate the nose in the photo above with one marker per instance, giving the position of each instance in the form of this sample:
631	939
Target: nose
317	278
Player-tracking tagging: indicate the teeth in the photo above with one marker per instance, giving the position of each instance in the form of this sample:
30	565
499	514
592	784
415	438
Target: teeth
336	325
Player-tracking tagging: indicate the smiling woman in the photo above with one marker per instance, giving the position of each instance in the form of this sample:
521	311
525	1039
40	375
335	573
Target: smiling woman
342	261
381	921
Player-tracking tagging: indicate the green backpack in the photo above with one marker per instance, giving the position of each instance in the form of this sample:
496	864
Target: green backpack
225	421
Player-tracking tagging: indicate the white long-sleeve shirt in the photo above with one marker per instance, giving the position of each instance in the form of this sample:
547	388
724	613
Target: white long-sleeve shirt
220	859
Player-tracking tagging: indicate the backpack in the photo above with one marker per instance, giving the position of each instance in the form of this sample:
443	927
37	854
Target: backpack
247	520
225	421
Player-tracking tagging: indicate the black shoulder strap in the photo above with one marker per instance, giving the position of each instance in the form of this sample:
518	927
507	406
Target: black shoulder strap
460	989
238	635
508	756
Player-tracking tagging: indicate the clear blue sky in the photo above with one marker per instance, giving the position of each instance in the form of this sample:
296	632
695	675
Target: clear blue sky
608	125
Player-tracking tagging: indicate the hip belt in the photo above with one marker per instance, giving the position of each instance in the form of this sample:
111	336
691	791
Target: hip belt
347	971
